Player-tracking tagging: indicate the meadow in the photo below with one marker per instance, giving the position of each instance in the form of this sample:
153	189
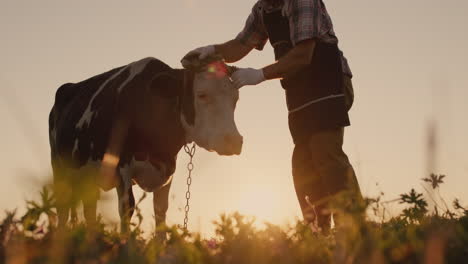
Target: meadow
421	233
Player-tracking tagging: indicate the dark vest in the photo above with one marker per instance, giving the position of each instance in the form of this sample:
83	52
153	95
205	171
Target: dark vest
314	94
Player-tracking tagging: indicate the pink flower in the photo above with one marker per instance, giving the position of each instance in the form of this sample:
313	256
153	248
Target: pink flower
212	243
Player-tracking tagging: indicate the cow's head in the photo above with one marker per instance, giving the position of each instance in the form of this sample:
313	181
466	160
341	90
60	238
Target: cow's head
208	105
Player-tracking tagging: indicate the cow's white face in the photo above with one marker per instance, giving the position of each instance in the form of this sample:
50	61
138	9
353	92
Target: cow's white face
215	100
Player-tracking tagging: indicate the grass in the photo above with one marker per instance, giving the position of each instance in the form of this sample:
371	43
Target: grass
417	235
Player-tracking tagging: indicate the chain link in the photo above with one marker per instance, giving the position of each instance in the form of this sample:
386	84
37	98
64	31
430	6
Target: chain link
191	152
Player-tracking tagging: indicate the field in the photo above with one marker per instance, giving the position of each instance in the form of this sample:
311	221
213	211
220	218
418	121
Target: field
418	235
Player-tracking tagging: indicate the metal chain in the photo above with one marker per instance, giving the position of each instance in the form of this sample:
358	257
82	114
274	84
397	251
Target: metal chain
191	152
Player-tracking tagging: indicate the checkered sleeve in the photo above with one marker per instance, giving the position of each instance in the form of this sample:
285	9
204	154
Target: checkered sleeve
254	33
308	20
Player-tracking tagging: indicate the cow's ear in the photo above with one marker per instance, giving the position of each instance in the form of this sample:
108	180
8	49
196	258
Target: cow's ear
165	84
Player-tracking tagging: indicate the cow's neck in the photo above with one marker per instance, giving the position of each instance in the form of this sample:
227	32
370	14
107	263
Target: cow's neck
186	96
164	135
185	109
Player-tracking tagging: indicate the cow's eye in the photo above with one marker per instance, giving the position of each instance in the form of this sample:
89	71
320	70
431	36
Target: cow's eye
202	96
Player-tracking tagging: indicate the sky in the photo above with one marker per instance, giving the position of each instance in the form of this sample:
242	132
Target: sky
409	64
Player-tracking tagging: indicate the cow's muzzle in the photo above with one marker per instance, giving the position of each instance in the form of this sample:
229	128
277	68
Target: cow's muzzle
231	145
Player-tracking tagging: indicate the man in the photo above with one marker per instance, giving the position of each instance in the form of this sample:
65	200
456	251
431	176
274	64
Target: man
317	81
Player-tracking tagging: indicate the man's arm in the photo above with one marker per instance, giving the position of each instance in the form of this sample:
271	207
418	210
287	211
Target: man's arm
252	36
296	59
233	50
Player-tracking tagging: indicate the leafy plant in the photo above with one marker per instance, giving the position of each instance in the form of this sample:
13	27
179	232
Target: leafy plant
414	236
418	206
35	210
434	180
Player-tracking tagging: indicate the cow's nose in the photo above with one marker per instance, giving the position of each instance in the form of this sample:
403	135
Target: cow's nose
233	144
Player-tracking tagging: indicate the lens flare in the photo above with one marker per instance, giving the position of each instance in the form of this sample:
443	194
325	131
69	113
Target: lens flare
212	69
217	70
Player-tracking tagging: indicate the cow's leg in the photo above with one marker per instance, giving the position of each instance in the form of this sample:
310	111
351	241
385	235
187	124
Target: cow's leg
126	204
73	215
90	204
63	195
62	214
160	205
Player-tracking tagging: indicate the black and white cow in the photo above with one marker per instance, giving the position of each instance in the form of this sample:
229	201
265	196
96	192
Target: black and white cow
134	120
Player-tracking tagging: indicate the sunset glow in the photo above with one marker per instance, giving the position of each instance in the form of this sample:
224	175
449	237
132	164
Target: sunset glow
400	84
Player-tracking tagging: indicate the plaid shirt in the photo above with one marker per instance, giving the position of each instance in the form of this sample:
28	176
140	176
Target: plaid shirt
308	19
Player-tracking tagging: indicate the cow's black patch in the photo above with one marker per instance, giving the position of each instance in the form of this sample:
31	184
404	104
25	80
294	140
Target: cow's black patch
188	99
177	83
78	145
131	93
71	102
167	84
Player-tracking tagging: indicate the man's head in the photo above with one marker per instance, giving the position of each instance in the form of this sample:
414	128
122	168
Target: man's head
273	2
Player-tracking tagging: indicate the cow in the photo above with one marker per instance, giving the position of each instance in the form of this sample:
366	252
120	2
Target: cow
133	120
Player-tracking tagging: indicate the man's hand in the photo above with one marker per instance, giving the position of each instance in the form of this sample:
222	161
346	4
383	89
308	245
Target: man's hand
296	59
247	76
231	51
203	52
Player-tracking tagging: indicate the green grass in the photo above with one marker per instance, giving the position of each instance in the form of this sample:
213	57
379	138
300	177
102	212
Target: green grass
417	235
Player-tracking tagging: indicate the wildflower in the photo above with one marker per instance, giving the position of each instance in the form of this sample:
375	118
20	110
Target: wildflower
212	243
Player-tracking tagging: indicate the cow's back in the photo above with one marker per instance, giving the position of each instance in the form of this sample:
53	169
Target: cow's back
83	113
71	101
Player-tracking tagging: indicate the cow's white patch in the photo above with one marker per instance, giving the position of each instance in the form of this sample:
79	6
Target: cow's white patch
88	114
135	68
75	148
214	127
168	180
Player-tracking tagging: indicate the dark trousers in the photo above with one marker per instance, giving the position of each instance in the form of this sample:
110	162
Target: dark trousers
321	169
